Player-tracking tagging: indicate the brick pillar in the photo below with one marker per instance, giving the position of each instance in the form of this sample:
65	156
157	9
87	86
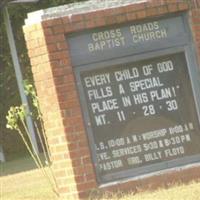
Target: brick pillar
195	19
60	107
56	87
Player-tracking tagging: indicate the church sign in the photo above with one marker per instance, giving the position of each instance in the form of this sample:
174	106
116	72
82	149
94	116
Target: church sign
138	86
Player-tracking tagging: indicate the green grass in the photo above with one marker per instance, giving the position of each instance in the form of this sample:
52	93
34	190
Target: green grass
21	180
17	165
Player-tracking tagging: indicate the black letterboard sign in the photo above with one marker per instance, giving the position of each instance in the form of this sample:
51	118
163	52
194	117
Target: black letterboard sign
141	113
141	116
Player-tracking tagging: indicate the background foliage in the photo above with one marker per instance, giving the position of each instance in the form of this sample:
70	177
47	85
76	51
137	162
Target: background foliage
9	95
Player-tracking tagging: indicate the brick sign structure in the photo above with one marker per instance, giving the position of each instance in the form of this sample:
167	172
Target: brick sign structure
118	85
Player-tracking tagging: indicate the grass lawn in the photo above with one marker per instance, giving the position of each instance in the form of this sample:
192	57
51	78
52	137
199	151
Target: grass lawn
178	192
20	180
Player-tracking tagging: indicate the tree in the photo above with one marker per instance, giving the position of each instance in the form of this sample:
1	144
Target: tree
9	95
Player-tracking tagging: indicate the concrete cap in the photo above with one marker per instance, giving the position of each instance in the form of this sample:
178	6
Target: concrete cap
76	8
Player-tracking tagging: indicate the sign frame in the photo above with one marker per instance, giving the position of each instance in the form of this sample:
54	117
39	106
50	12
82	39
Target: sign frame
188	48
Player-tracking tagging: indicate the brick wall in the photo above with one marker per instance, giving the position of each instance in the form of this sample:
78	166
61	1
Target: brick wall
195	21
56	89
